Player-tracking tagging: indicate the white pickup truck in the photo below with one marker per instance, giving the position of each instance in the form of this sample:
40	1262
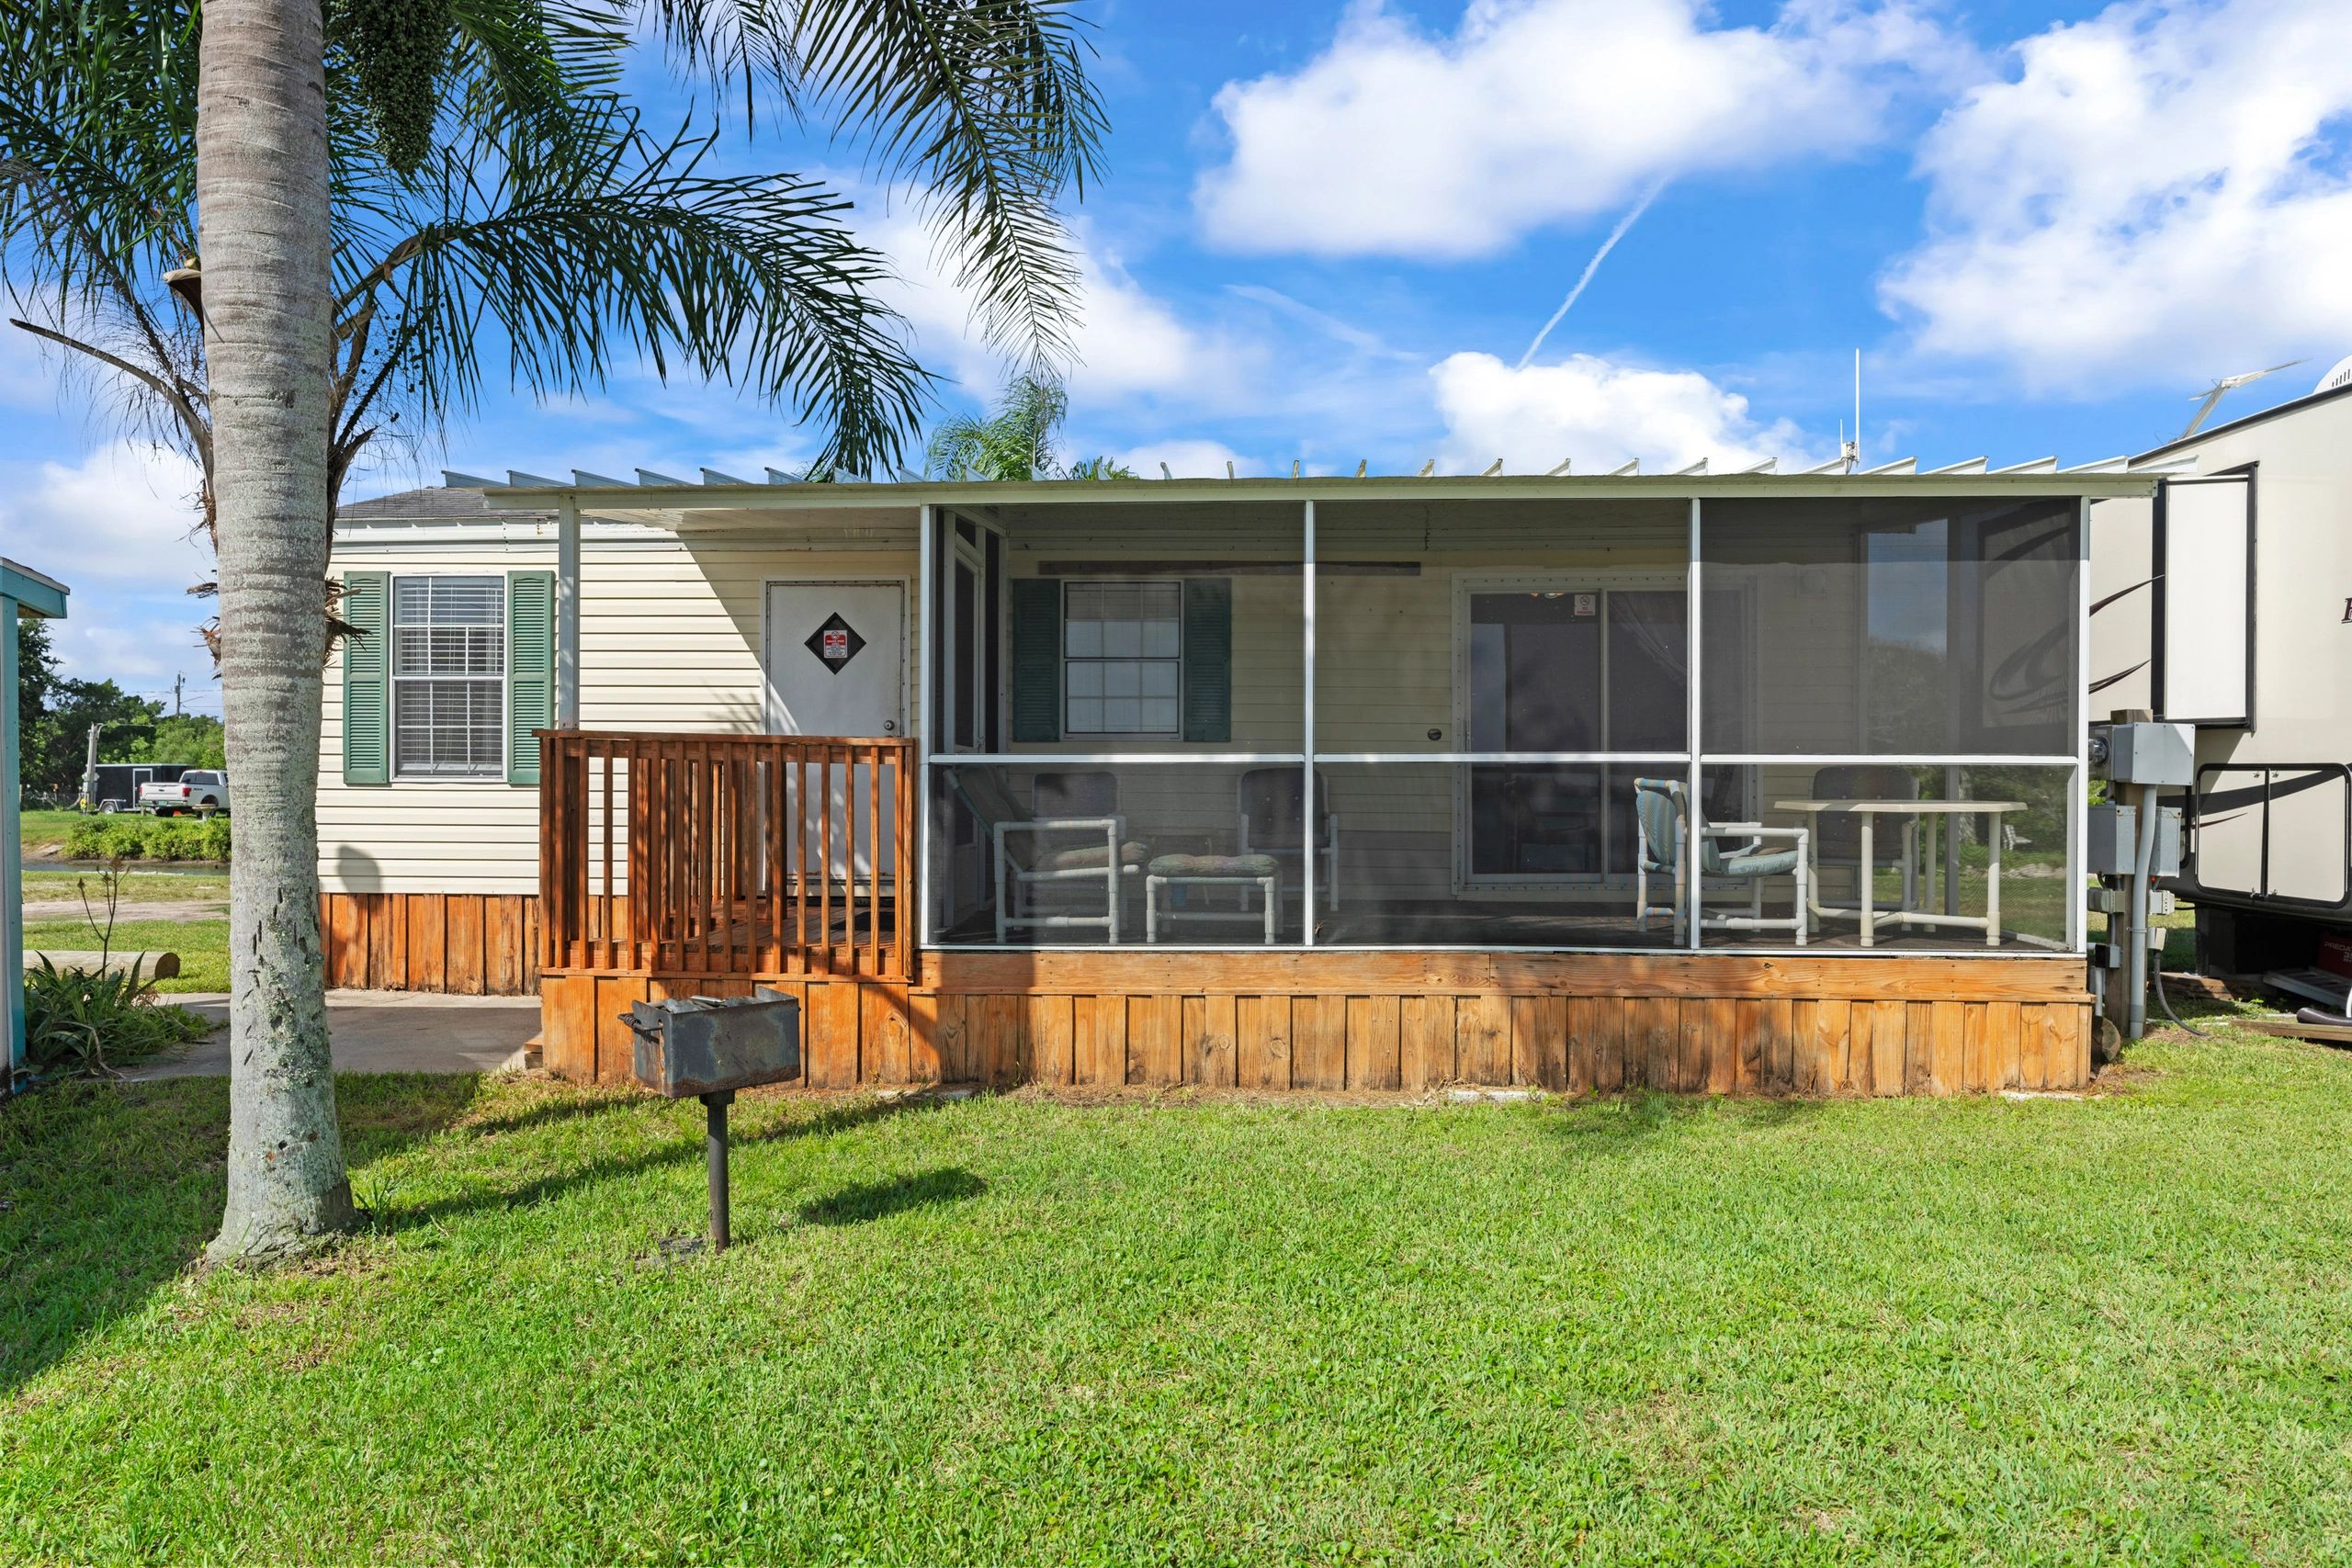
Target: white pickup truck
201	790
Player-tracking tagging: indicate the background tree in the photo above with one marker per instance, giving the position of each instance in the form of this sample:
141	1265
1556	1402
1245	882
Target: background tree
1014	441
347	233
55	713
195	739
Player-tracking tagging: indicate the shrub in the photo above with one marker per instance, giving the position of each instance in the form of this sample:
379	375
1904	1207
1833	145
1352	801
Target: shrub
131	836
83	1020
86	837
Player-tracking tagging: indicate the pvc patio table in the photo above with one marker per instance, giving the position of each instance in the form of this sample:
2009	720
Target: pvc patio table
1930	813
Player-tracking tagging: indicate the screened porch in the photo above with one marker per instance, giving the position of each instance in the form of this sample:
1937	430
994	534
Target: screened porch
1614	723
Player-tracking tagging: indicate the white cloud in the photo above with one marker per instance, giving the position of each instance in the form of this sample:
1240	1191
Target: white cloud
139	643
122	515
115	528
2161	191
1538	111
1129	343
1598	415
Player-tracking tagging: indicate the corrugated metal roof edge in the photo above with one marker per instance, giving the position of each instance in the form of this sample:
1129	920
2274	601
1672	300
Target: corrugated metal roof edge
2114	478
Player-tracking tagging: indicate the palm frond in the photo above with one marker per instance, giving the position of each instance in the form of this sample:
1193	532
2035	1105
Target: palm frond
621	247
982	107
1014	442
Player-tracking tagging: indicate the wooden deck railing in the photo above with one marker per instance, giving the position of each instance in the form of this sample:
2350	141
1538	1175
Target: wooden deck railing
727	854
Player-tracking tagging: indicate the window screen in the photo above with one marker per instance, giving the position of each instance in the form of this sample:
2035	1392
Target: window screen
449	676
1123	649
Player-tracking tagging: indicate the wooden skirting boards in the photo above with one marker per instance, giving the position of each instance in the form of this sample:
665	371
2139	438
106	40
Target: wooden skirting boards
472	944
1407	1022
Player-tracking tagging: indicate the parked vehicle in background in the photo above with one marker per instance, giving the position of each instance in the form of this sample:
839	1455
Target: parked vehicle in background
2216	609
201	790
118	784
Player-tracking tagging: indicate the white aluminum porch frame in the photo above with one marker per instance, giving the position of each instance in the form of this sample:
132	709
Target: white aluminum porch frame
1694	762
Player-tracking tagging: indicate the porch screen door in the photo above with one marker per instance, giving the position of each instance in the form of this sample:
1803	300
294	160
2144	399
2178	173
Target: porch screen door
835	662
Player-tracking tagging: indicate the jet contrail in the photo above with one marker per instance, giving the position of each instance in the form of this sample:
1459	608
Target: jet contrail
1591	267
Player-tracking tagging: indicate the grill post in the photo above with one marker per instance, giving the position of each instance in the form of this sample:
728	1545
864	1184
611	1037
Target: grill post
708	1047
714	1120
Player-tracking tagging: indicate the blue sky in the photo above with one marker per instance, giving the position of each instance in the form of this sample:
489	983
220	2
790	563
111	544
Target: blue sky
1331	232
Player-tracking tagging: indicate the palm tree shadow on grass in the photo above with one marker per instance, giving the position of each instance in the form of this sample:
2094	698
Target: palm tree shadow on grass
1642	1117
685	1149
870	1201
108	1191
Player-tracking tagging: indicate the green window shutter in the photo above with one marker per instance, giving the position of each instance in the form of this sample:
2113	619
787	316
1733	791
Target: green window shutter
1036	659
530	670
1208	659
367	689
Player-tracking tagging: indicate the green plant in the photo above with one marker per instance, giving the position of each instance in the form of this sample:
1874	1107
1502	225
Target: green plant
87	1020
75	1017
86	838
133	836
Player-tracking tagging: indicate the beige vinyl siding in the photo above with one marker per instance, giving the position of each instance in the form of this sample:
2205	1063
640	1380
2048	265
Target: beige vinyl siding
669	640
1384	668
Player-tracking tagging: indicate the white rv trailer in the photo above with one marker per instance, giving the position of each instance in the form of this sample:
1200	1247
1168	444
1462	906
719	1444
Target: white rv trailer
2225	601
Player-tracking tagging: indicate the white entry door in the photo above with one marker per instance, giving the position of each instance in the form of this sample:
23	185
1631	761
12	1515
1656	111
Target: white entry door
836	663
836	658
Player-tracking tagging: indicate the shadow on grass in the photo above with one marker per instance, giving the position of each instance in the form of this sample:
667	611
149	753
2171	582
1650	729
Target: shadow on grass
109	1191
1599	1128
685	1149
871	1201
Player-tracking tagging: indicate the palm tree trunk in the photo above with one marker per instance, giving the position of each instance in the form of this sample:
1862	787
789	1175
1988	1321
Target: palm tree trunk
261	200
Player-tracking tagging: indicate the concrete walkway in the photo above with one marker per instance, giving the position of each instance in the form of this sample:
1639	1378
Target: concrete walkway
382	1031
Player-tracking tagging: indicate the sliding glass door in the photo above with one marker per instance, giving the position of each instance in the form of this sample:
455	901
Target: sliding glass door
1566	663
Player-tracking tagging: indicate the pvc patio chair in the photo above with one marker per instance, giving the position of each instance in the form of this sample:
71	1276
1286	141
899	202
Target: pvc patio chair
1072	842
1266	808
1662	840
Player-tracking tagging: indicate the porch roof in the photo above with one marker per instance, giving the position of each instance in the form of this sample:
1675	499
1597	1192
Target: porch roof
664	502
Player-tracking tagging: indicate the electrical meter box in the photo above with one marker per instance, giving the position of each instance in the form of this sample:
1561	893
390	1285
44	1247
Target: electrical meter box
2151	754
2111	832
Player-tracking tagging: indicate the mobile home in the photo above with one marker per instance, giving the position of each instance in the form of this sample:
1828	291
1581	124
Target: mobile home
1729	782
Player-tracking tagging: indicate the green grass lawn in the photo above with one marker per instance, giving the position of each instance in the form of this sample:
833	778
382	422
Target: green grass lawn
1011	1330
138	886
201	939
43	832
202	944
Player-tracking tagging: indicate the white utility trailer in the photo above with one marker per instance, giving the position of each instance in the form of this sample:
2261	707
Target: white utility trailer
2225	602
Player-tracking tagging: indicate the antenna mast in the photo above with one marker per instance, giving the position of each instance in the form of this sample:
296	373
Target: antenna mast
1850	449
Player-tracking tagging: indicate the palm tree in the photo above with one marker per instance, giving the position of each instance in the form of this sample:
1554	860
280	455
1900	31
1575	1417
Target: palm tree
1014	441
344	236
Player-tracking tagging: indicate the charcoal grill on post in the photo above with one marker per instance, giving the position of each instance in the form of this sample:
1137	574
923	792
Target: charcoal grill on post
709	1047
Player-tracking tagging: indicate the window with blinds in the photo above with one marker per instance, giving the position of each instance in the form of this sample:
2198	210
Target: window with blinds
1123	646
448	649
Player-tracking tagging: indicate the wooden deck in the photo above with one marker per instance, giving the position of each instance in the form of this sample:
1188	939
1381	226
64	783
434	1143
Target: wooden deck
682	866
1407	1022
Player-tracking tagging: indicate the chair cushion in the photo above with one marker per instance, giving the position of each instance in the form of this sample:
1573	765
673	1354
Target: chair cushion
1213	865
1089	857
1775	862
